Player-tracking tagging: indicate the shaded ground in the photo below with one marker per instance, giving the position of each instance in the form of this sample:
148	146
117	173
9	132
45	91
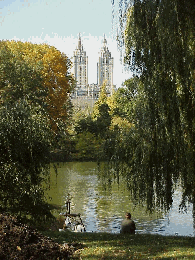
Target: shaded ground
18	241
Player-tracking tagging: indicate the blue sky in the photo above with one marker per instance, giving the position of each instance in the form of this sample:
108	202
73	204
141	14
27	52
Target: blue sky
58	23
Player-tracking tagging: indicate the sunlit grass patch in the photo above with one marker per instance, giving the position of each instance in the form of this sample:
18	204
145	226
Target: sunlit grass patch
117	246
179	254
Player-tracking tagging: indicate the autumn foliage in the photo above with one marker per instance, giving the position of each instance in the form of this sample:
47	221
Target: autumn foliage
43	66
34	98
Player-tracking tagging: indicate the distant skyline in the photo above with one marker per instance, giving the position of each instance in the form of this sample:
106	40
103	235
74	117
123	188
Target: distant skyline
59	23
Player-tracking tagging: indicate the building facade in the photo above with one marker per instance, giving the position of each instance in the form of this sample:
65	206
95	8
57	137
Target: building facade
105	66
89	93
80	69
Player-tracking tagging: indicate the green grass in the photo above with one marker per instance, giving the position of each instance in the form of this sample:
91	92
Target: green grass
117	246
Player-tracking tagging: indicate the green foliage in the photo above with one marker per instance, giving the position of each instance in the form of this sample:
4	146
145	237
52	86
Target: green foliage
101	112
86	124
102	100
39	72
89	146
25	142
159	149
103	120
89	139
98	126
20	79
34	86
93	130
144	155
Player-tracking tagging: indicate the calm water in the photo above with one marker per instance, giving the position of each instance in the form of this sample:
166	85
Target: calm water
103	209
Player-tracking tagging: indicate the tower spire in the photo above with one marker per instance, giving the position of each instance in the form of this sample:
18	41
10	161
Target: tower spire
79	42
105	41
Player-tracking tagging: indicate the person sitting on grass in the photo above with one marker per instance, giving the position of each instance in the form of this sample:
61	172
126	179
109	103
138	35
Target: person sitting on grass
127	225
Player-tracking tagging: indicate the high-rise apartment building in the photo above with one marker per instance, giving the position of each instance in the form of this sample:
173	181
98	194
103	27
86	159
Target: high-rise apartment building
85	93
105	66
80	69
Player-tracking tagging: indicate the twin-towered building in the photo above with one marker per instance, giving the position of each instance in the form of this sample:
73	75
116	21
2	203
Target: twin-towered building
90	92
105	66
80	67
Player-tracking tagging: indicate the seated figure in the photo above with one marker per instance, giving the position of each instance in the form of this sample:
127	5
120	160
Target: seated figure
128	225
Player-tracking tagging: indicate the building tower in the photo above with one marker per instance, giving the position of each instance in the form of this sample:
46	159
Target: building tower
105	66
80	69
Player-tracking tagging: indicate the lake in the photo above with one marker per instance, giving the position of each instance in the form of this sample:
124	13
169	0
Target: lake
102	209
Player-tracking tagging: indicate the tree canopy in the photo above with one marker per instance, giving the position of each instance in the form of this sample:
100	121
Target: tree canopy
158	37
44	73
35	83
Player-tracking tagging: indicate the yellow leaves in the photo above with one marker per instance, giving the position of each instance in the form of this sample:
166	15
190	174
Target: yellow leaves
122	123
53	66
19	248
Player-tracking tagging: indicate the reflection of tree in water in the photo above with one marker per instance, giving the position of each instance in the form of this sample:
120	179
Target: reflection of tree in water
115	199
102	206
194	217
79	185
69	180
148	221
90	196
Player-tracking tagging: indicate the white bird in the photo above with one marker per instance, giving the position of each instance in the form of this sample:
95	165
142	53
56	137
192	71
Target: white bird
67	222
79	228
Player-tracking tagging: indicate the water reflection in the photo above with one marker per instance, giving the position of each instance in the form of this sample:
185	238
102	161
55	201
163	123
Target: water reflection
103	209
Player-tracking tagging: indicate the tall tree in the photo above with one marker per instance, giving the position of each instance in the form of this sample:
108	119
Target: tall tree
159	49
52	67
34	87
25	143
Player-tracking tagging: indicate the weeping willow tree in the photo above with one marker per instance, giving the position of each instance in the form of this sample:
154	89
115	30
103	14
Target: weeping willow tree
159	150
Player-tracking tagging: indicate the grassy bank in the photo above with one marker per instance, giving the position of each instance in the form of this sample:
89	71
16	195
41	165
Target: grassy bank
116	246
